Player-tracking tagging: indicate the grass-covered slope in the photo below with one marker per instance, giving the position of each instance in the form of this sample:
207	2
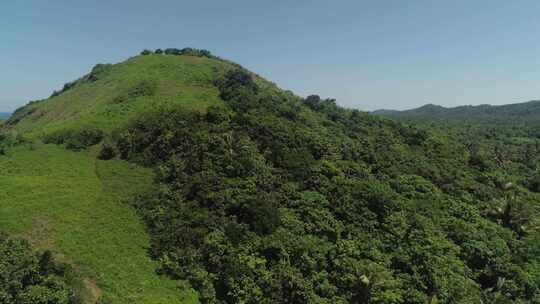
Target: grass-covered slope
76	206
112	94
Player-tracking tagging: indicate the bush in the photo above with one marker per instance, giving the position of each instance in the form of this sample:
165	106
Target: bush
188	52
142	88
9	140
78	139
98	71
108	151
27	277
173	51
146	52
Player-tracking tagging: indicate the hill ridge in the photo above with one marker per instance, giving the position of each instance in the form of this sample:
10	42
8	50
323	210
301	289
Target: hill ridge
525	111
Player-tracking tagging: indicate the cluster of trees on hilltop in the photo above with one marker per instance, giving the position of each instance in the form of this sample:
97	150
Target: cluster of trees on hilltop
188	52
273	199
185	51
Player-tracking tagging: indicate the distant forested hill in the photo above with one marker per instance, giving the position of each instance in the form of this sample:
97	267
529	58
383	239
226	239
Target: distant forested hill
520	112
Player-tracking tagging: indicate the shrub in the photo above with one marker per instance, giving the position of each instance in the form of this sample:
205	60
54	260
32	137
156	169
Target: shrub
98	71
28	277
108	151
8	140
188	52
173	51
75	139
142	88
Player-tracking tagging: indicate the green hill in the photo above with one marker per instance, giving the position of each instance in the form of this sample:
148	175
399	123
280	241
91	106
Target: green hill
179	177
112	94
77	206
81	203
523	112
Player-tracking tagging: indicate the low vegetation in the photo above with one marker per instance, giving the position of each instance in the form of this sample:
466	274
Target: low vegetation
76	207
75	139
30	278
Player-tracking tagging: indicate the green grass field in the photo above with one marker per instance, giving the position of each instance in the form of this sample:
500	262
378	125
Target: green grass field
76	206
185	82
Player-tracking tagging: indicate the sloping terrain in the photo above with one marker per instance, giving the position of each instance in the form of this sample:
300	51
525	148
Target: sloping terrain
176	172
77	206
112	94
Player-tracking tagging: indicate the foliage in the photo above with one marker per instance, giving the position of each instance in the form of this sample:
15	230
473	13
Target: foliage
9	140
188	52
280	200
27	277
75	139
75	205
143	88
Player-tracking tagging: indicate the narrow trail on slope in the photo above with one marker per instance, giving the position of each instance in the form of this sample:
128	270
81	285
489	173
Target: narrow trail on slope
83	204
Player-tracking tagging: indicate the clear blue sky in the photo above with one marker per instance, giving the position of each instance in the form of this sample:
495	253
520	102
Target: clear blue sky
366	54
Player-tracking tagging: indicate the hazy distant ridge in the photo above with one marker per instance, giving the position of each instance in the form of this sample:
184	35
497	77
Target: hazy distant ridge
527	111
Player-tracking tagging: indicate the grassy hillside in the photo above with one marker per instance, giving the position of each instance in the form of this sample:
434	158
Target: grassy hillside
75	205
112	94
78	206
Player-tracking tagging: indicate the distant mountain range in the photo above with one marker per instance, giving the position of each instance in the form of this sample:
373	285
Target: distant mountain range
4	115
522	112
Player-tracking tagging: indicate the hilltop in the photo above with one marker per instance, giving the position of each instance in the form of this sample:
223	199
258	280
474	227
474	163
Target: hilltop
180	177
112	94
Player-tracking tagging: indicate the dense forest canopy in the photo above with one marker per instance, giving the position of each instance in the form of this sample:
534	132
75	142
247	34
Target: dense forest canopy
267	197
278	200
522	115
